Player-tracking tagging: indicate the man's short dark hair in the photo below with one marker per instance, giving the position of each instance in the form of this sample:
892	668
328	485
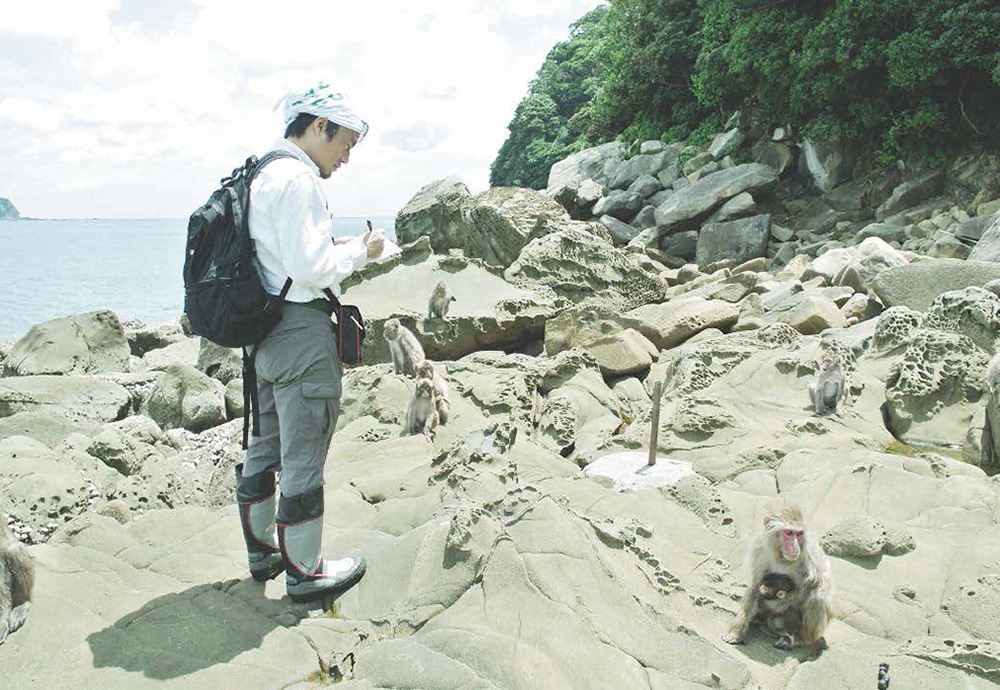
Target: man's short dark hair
298	126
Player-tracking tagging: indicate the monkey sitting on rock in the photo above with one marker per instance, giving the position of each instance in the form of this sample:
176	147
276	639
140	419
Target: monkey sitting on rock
440	301
827	390
422	414
783	548
441	401
17	580
406	351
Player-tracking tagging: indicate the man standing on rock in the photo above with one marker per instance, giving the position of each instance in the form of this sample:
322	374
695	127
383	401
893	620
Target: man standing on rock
298	367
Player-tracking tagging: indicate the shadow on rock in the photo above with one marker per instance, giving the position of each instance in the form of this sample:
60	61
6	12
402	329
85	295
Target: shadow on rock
184	632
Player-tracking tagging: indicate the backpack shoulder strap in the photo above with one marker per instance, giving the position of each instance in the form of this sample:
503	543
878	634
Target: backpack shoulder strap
264	160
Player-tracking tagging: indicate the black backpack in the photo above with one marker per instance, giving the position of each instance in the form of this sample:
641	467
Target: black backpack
223	296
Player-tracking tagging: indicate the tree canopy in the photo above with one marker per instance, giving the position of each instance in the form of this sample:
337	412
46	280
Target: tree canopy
901	77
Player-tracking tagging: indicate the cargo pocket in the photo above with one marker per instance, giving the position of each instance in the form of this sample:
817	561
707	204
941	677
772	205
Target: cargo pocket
322	402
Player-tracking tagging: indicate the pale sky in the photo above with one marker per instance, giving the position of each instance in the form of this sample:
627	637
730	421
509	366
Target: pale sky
136	108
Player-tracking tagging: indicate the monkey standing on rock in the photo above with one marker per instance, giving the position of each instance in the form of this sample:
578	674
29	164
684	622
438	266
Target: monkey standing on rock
439	302
783	548
406	351
441	401
17	579
827	390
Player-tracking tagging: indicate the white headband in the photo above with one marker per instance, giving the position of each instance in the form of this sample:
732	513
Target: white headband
322	101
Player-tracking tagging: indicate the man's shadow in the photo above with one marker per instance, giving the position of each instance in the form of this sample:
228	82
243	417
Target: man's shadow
183	632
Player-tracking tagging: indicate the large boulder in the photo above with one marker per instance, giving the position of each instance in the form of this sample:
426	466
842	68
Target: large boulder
502	220
488	312
578	266
579	199
121	451
185	398
988	247
623	205
916	285
621	233
598	163
736	240
778	155
219	362
826	163
867	260
808	313
435	211
91	343
972	312
143	338
85	398
934	390
579	325
911	193
185	351
679	319
725	143
688	206
637	166
622	354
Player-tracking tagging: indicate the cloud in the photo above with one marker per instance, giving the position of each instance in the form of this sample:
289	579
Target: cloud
421	136
155	17
128	97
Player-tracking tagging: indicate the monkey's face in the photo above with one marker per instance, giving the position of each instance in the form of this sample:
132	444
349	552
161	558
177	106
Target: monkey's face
829	364
426	370
790	542
771	593
425	388
391	329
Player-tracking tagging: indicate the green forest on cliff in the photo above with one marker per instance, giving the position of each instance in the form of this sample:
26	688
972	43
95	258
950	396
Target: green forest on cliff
903	78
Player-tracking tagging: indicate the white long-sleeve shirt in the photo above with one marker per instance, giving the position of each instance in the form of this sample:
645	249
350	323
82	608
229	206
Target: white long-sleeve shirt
292	230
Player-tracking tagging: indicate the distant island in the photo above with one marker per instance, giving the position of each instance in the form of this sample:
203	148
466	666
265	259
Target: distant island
8	210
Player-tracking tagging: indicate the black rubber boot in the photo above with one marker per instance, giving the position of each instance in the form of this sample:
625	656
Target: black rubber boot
308	575
257	503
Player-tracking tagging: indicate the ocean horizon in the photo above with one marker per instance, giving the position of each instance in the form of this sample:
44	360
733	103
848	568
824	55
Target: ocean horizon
53	267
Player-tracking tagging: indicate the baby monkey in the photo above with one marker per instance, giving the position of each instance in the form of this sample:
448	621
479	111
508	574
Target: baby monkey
441	401
439	302
777	617
422	415
827	390
406	351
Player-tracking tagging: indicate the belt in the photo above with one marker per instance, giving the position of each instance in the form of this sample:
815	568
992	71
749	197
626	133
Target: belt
319	304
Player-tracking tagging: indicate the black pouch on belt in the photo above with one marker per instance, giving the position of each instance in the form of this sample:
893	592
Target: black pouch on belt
350	330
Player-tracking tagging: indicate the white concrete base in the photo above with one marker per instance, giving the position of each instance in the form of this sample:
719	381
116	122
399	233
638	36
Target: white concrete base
630	473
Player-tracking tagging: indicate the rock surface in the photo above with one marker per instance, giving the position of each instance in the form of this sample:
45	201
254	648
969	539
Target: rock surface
435	211
91	343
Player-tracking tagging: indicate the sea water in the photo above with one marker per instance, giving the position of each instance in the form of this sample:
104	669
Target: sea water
51	268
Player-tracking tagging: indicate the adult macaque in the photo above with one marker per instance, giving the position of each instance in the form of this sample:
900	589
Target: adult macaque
17	580
784	548
827	390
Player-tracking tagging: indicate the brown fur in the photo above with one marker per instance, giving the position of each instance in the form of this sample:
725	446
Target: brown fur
17	581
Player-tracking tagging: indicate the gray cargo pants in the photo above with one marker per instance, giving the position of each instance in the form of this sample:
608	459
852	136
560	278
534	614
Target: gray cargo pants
299	382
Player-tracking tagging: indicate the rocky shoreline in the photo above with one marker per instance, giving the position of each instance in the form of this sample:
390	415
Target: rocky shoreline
495	559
